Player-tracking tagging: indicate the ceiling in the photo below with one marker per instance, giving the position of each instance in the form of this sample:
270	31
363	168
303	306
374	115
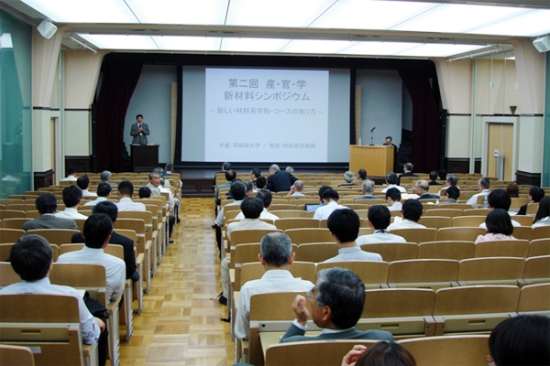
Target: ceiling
345	28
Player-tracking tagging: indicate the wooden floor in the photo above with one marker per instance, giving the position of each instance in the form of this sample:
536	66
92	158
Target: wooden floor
180	324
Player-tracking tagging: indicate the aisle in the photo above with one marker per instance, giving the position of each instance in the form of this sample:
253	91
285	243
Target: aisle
180	325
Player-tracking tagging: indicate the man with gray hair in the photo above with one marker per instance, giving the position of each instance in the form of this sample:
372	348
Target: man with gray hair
106	177
348	176
368	188
279	181
297	189
154	183
451	181
407	169
421	187
289	169
276	256
483	185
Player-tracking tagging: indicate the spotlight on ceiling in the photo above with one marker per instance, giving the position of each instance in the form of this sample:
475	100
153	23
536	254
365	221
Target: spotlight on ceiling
542	44
46	29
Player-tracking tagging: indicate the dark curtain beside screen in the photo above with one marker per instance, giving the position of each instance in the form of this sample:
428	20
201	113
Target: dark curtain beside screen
421	83
119	82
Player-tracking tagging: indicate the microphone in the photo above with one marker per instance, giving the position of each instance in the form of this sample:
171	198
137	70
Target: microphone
372	129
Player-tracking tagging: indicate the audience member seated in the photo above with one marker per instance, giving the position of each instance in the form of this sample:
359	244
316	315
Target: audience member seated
230	176
542	218
336	304
145	193
513	190
297	189
276	256
46	204
382	353
32	259
84	184
289	169
125	193
483	186
348	177
331	202
154	183
452	193
261	182
361	174
499	226
238	191
393	197
410	214
344	227
105	177
173	202
71	175
279	181
499	198
266	197
110	209
451	181
103	194
391	181
421	187
97	233
322	190
71	198
379	219
367	188
407	169
535	195
255	174
433	179
520	340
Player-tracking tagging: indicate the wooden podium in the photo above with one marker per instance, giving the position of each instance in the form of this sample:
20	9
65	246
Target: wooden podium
145	158
377	160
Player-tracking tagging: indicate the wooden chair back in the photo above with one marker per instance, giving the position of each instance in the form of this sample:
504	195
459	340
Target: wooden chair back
444	350
539	247
316	252
393	251
417	235
21	206
465	221
11	235
296	223
460	233
8	275
476	211
426	273
16	355
388	303
534	299
249	236
446	249
448	212
14	223
87	276
524	220
491	270
532	208
55	236
537	269
522	232
12	214
502	248
435	222
285	214
373	274
476	300
309	235
540	232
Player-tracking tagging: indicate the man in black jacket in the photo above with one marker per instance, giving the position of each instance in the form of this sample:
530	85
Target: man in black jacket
279	181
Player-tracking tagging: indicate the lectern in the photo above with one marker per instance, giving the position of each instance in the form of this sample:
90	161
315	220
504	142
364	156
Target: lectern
145	158
376	160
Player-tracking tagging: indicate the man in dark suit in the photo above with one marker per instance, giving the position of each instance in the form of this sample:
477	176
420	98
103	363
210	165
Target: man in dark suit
433	179
535	195
336	304
139	131
279	181
421	187
109	208
46	204
407	168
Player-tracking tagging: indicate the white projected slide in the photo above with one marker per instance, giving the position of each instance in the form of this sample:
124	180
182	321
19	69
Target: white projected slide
265	115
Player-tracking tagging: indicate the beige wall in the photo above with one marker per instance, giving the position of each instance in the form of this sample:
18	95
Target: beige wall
496	86
455	84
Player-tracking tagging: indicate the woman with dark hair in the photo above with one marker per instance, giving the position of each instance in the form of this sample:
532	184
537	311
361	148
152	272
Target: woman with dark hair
499	226
381	354
520	340
542	218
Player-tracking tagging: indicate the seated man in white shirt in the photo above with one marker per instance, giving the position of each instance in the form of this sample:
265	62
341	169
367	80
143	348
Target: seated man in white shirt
367	187
410	214
391	181
276	256
297	189
97	233
483	185
344	227
84	184
71	175
499	198
238	191
331	201
105	177
103	194
251	207
32	259
125	193
71	198
379	220
393	197
266	197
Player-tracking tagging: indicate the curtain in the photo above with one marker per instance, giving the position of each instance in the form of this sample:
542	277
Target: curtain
119	83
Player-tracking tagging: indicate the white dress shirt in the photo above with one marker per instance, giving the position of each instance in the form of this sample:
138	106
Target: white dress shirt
71	213
545	221
69	178
115	268
355	254
88	328
297	194
264	215
324	212
473	200
397	206
171	200
87	193
380	236
404	224
401	189
126	204
96	201
221	214
272	281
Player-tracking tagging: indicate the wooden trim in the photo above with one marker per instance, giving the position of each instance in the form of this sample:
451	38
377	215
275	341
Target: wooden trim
43	179
461	165
533	179
80	163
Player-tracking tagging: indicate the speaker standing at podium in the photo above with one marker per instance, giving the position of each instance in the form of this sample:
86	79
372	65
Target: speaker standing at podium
139	131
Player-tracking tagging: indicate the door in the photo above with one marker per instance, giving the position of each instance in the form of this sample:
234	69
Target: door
501	137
